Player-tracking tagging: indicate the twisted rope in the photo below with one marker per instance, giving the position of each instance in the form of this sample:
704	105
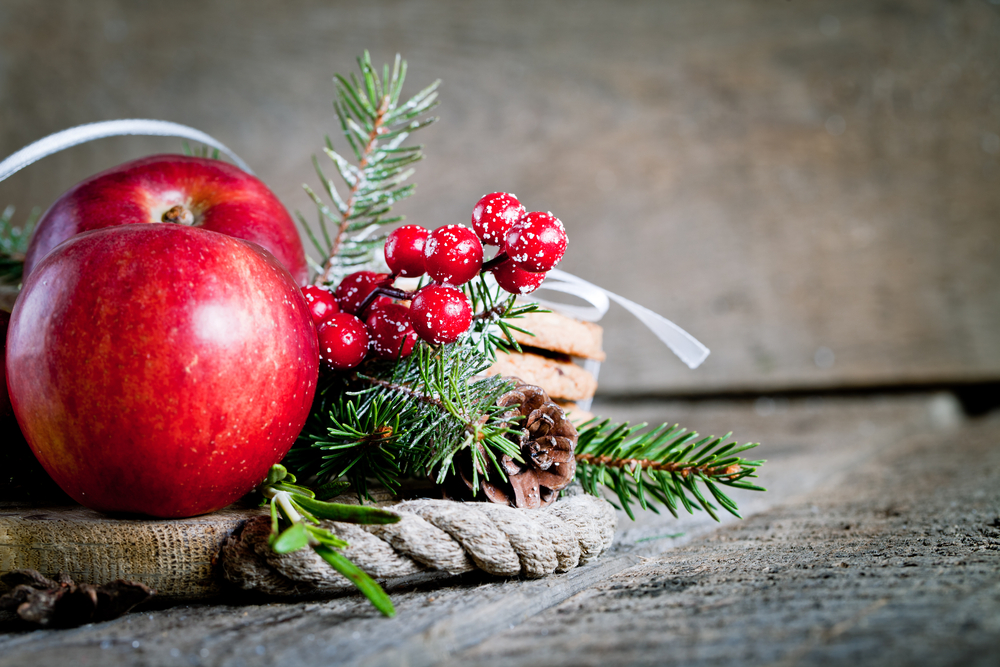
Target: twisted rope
433	535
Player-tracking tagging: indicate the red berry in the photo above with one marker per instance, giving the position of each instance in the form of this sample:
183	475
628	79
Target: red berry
355	287
392	335
343	341
537	242
378	304
440	314
493	216
454	254
404	250
321	302
516	280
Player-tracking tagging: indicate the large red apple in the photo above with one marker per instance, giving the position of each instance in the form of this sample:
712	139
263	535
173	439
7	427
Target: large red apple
194	191
160	369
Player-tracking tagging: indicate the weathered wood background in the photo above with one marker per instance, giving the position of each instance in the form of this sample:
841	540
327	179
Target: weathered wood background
812	189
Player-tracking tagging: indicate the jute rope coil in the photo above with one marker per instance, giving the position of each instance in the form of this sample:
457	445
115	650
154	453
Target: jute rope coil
432	535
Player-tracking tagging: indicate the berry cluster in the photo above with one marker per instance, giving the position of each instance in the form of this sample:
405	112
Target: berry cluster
530	244
367	312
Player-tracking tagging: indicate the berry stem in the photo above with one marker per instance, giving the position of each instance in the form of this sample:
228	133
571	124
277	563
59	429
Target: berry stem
383	290
499	259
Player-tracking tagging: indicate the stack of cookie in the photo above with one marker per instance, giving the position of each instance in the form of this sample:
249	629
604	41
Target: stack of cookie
562	357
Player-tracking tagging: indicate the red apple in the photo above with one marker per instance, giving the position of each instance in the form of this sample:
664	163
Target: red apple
160	369
195	191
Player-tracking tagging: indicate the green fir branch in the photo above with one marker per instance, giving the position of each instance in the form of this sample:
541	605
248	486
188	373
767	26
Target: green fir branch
455	406
375	125
356	442
667	465
405	418
494	309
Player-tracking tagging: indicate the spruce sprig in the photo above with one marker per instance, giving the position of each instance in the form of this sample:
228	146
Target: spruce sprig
667	464
492	325
14	243
455	407
405	418
375	125
357	441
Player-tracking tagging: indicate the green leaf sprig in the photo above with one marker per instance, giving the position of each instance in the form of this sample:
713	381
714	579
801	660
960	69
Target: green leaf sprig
295	516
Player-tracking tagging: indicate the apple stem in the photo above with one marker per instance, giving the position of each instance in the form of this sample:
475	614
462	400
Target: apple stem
179	215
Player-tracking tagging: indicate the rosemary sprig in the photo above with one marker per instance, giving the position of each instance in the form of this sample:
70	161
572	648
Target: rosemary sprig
295	515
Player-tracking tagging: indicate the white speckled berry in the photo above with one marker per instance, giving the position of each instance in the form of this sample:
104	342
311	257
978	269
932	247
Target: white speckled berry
537	242
493	216
440	314
454	254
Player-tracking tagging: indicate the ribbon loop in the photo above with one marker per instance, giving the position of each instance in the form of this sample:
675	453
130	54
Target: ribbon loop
109	128
680	342
594	295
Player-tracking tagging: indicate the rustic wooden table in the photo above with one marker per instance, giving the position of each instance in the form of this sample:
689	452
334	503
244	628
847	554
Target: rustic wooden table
877	543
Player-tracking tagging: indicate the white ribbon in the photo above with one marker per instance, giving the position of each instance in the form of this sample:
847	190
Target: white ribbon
680	342
109	128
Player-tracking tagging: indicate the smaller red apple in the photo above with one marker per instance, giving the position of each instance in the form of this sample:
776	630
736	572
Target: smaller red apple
190	191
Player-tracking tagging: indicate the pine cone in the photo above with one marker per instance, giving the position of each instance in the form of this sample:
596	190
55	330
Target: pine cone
547	440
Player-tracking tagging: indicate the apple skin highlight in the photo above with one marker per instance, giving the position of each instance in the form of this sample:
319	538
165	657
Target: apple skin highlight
211	194
160	369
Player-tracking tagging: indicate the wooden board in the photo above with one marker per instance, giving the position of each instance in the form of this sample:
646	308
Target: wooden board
175	557
809	188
